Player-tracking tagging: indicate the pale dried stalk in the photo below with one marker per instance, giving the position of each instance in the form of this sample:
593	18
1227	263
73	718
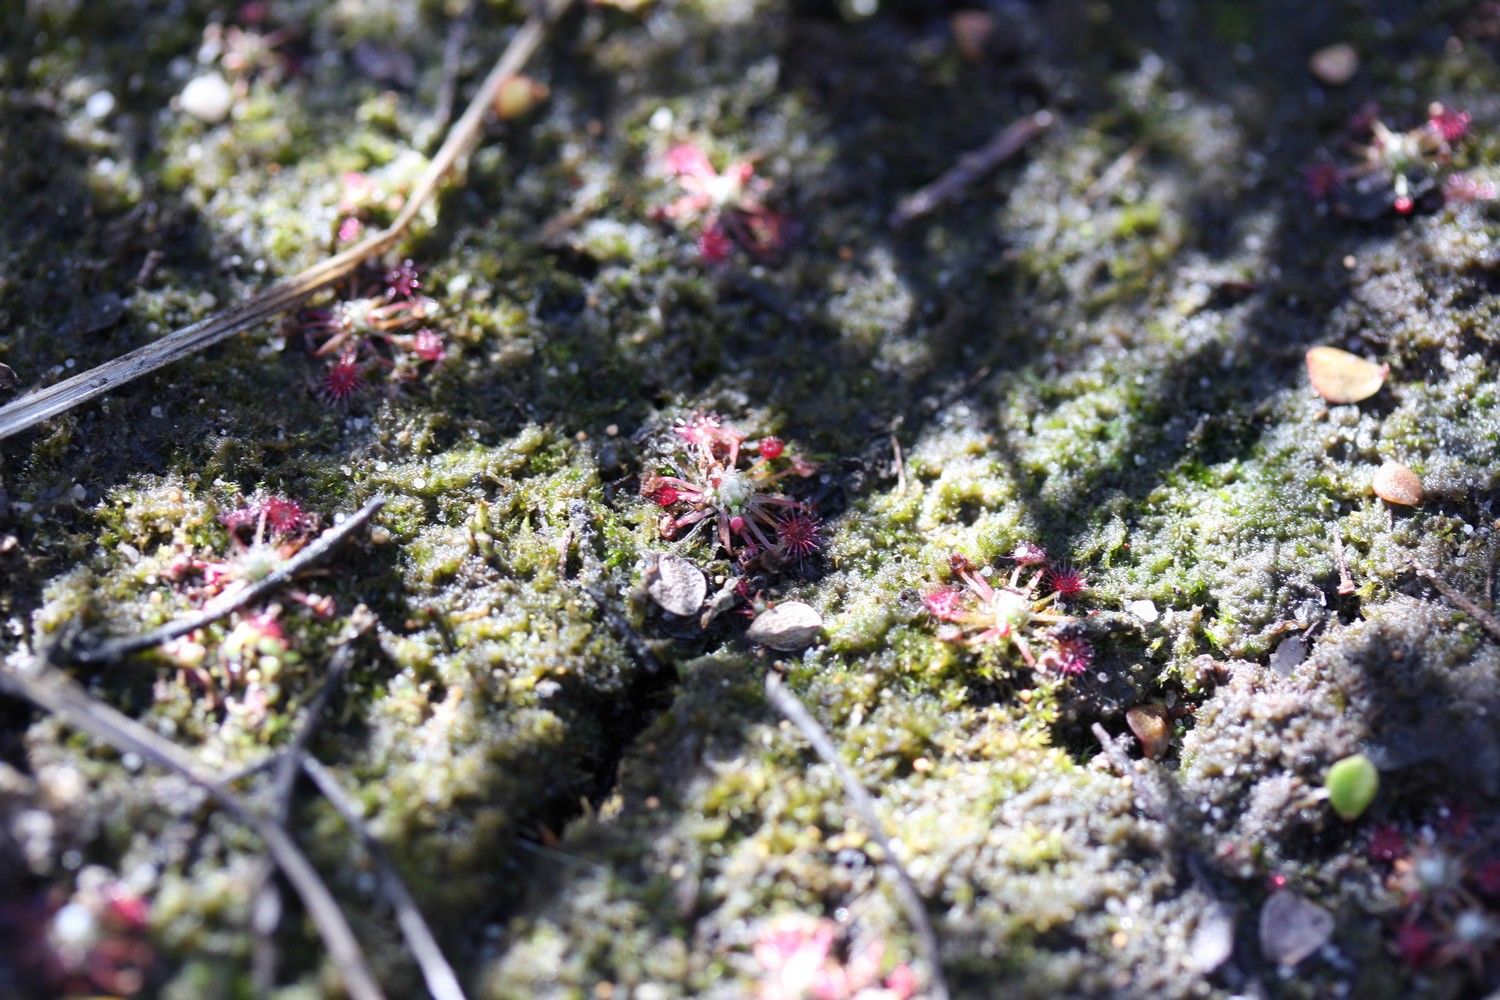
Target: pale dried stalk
863	805
49	689
971	167
32	409
265	910
442	981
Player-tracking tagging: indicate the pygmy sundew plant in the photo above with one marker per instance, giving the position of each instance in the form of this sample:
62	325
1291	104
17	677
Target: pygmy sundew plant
371	196
1397	171
94	941
710	485
800	960
248	51
725	203
1445	874
380	327
263	534
1021	612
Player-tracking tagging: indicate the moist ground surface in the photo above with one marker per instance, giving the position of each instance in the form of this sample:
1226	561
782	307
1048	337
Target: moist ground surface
1099	349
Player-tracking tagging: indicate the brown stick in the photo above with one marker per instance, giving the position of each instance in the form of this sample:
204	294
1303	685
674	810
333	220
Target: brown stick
50	690
442	981
971	167
864	806
1463	601
265	910
115	649
32	409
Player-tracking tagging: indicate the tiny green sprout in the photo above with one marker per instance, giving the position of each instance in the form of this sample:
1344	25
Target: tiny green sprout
1351	785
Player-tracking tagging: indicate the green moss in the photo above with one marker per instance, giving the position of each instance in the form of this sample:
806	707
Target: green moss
1099	355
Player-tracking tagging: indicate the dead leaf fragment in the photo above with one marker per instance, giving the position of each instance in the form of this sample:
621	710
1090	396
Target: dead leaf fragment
789	627
1334	64
1341	377
676	585
971	33
1292	928
1395	483
1152	726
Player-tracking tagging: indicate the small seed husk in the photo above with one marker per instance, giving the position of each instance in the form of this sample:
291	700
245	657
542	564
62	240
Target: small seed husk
676	585
1341	377
1395	483
790	626
1152	726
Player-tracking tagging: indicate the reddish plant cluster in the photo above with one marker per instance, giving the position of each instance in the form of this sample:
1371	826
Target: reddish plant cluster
1390	171
1022	612
251	650
715	481
1446	875
379	328
262	534
800	960
94	941
379	193
725	204
248	50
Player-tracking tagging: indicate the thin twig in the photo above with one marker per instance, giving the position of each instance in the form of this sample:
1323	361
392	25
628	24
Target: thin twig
1156	796
50	690
32	409
900	465
1115	172
1150	796
319	548
453	48
971	167
265	911
441	980
1346	582
1464	602
859	798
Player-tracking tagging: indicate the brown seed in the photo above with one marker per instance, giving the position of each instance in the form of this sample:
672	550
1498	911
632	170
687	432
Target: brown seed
1341	377
1395	483
1334	64
1152	726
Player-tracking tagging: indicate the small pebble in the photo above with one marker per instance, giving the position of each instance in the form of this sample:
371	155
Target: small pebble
1213	941
1292	928
1395	483
1288	655
676	585
788	627
99	105
1341	377
207	98
1144	610
1334	64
